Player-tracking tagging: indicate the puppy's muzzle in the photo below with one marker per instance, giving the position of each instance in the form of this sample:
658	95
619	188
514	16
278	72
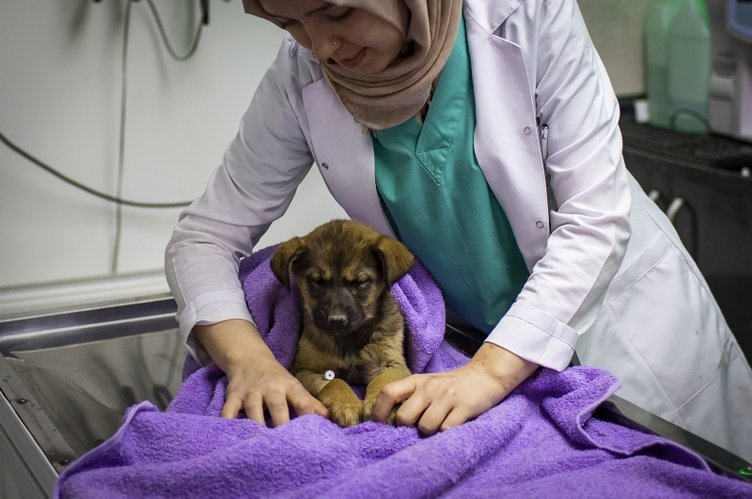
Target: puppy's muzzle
336	320
336	317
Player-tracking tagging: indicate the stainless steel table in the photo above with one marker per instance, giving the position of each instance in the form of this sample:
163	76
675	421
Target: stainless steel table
66	379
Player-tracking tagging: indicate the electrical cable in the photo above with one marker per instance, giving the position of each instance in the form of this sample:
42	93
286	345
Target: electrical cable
121	140
78	185
123	101
687	112
118	199
163	34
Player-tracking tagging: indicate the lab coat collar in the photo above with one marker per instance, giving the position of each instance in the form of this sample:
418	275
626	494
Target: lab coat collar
343	151
491	15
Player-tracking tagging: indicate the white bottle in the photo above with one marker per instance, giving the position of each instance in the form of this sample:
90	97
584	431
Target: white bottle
657	24
689	59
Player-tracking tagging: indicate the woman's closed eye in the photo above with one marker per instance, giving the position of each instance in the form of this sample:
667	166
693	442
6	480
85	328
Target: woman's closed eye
339	14
286	23
335	14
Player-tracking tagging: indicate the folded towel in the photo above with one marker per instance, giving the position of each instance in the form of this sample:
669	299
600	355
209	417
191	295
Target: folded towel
540	441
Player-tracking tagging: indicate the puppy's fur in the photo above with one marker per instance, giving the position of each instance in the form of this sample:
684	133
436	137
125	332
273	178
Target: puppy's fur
351	323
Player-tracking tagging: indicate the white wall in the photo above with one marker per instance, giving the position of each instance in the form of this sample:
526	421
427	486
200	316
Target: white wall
60	84
616	29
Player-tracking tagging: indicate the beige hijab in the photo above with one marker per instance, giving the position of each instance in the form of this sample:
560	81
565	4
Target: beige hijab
400	91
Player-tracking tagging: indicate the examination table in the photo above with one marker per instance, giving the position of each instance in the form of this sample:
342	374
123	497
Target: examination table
67	378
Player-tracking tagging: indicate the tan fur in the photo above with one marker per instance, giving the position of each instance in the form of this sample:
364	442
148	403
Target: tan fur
351	323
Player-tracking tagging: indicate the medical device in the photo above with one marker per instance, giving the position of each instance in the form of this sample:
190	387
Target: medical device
730	105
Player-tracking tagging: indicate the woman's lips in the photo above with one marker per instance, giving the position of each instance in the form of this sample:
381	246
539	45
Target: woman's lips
354	60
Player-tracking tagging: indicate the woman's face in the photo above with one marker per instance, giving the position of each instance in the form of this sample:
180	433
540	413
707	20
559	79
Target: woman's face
353	38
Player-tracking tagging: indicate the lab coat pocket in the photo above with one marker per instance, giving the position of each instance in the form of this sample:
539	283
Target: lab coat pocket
664	312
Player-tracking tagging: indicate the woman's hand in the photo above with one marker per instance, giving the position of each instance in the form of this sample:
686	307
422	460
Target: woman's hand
255	380
440	401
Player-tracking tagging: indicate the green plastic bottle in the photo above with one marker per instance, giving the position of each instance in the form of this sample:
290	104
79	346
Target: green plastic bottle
689	60
656	27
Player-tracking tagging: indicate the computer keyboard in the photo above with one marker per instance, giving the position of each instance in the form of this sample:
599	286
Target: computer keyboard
708	150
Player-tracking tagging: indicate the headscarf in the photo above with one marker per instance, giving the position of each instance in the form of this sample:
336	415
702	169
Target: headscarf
401	90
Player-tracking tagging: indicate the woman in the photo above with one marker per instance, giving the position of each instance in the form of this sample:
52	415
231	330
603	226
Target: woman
484	134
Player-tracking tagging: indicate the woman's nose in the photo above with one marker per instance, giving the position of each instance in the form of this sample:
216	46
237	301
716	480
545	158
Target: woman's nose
324	47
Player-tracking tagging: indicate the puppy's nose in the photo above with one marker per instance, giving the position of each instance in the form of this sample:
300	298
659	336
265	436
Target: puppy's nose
337	319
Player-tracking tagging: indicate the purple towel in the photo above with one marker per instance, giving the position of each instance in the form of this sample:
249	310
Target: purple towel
277	312
540	441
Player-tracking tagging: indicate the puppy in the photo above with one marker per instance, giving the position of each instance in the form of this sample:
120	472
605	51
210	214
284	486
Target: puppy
352	326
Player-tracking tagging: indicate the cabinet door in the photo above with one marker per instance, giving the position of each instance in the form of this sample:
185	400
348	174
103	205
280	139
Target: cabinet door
721	215
652	176
712	212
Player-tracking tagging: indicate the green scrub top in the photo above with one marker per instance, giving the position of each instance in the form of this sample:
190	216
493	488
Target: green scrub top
439	203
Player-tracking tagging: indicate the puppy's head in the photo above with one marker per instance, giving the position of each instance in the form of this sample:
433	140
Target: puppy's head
344	269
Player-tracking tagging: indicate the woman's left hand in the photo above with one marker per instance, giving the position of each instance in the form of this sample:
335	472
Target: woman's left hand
439	401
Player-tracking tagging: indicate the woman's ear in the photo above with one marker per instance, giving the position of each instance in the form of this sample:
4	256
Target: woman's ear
284	257
395	259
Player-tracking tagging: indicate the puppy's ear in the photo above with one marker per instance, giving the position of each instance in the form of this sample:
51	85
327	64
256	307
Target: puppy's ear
395	259
284	257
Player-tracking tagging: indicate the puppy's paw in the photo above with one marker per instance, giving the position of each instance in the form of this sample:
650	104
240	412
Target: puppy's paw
368	411
345	408
346	414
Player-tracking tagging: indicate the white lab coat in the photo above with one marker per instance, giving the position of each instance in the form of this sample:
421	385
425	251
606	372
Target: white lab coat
608	272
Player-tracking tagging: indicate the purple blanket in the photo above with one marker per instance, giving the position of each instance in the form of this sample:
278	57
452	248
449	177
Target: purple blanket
541	441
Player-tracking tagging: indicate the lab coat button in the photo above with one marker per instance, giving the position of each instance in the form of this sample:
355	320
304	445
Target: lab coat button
325	166
540	224
527	130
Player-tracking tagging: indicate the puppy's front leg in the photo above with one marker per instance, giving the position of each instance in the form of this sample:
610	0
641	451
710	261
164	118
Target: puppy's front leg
345	408
387	375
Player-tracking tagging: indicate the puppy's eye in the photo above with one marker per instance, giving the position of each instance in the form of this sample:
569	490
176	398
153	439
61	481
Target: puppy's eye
315	280
362	283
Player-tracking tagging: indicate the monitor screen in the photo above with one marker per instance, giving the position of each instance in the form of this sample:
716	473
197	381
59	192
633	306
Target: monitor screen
739	19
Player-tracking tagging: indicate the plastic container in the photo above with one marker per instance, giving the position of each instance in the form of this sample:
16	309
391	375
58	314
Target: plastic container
689	63
657	24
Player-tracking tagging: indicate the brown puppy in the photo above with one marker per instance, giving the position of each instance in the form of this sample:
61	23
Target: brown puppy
352	326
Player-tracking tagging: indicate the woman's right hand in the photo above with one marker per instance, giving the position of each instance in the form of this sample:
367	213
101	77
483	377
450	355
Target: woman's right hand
255	380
